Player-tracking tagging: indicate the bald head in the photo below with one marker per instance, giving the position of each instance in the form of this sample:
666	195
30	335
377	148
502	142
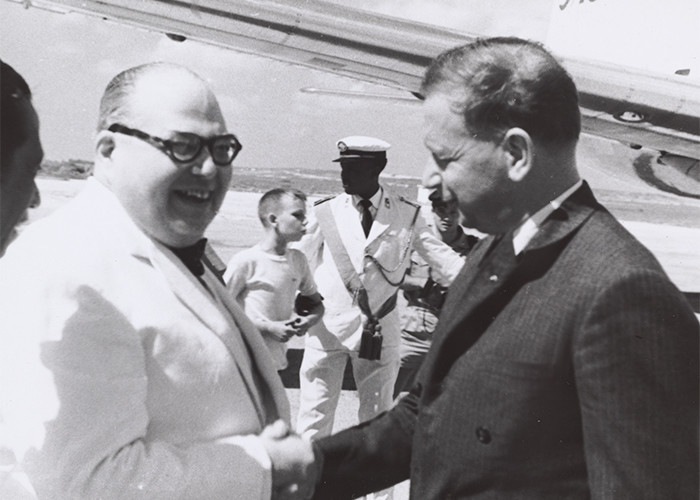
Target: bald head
142	88
150	116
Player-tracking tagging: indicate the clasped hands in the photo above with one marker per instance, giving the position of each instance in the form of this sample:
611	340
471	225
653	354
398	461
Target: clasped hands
282	331
295	465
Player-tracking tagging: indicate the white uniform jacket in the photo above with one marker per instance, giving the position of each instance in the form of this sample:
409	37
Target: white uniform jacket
145	386
392	237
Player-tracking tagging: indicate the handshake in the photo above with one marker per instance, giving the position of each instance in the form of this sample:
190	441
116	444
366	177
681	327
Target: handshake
296	465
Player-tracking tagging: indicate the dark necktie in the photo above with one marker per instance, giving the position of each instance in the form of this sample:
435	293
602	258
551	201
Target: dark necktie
367	218
191	256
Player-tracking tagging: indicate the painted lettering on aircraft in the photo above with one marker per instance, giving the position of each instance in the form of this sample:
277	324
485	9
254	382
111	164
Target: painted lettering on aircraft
567	2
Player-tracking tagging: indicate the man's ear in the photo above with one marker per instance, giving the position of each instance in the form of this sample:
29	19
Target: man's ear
272	219
104	145
518	150
379	167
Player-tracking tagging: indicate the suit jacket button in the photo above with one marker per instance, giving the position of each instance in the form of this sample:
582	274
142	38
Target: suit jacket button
483	435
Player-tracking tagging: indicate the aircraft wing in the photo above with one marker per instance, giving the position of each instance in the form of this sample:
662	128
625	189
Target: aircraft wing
640	108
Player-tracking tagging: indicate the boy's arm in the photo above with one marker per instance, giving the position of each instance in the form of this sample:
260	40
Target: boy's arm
281	331
314	315
317	312
309	299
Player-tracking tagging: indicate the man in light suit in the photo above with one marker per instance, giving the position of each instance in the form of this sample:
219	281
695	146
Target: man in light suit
133	375
375	243
565	362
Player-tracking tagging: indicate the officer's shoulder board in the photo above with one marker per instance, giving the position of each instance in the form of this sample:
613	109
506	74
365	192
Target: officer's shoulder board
412	203
318	202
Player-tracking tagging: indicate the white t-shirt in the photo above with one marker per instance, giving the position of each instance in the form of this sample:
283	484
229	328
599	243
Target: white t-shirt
266	284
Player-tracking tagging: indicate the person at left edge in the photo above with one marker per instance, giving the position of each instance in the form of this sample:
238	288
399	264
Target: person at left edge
162	388
20	158
20	154
380	258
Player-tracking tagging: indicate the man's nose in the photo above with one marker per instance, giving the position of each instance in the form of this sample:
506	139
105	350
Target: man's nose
36	198
431	178
204	165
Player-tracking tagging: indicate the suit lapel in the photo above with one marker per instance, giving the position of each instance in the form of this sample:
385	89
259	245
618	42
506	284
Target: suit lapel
184	285
191	292
257	350
199	300
476	281
568	218
464	293
485	285
219	316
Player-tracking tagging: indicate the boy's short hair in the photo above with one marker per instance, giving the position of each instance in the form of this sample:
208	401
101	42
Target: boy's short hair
271	201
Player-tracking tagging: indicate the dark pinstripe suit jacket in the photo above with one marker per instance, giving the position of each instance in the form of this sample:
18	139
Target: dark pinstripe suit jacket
569	372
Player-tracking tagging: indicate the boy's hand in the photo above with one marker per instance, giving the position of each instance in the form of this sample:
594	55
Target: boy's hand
281	331
301	323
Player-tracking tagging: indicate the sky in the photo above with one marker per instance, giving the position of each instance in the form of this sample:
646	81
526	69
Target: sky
68	59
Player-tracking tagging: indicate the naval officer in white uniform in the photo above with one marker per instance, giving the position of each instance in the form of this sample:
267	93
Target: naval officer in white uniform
359	243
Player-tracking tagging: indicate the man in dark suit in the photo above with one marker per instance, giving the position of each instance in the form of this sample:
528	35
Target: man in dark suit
565	362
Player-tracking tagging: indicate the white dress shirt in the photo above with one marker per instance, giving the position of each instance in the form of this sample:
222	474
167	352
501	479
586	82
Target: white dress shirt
528	229
375	200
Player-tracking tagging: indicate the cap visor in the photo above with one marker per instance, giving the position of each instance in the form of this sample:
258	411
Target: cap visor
352	157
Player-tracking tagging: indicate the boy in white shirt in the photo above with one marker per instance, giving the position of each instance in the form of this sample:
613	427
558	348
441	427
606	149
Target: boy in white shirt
265	278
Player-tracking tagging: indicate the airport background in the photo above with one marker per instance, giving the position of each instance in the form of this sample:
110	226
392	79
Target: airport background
287	134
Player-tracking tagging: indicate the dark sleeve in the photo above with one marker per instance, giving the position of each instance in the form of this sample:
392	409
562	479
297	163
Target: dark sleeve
370	456
636	365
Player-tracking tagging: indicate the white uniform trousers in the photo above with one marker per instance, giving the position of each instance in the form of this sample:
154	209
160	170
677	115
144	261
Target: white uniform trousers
321	379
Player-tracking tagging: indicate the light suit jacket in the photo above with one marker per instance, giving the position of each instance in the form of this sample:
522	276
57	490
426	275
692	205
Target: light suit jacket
391	239
143	378
570	372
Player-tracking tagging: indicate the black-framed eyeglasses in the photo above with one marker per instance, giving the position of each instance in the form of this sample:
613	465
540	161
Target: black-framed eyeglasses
185	146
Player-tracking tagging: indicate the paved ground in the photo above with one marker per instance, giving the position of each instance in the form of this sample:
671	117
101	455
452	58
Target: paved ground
346	416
